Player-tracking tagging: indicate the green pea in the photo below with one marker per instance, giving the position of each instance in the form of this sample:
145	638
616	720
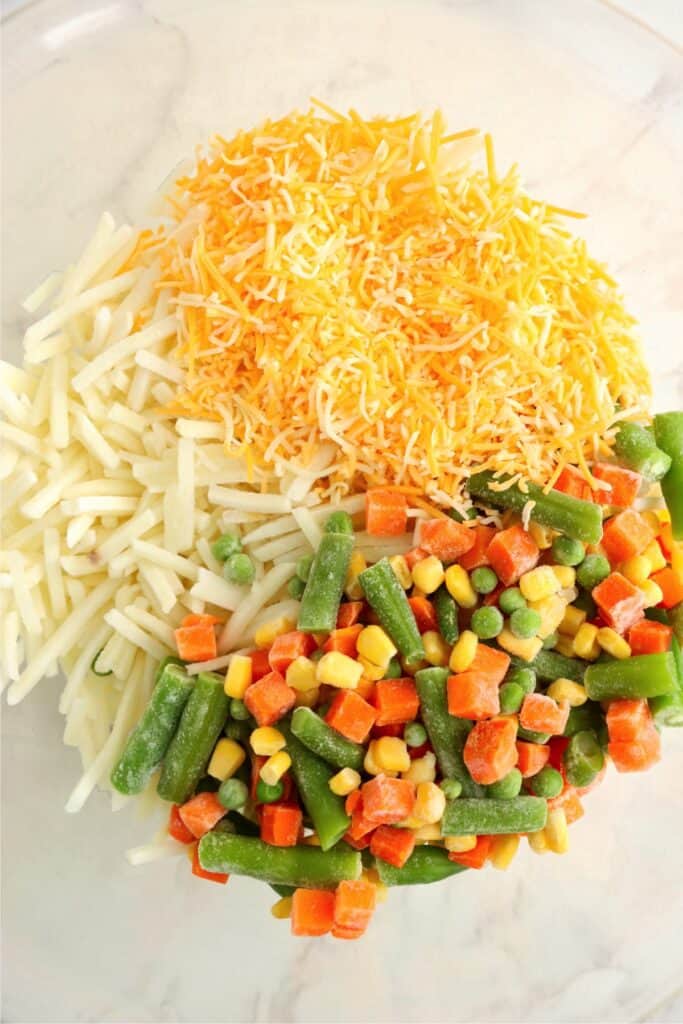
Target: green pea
550	641
303	567
593	570
226	545
531	736
296	587
239	710
547	783
487	623
583	758
415	734
511	696
567	551
484	580
506	788
233	794
239	569
525	622
510	600
266	794
393	669
452	788
339	522
524	678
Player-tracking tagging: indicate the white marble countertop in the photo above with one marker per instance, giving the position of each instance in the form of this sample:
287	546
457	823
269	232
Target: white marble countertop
101	100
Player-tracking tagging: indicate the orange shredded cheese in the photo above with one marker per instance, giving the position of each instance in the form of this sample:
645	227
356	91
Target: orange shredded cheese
380	284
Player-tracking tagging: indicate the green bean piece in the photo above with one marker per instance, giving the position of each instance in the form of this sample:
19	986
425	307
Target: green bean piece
447	733
675	617
303	567
588	716
325	584
339	522
202	722
523	677
147	744
494	817
635	446
388	600
226	545
581	520
657	615
312	776
426	864
446	615
532	737
303	867
295	588
668	709
643	675
549	666
547	783
325	741
394	669
583	759
506	788
669	437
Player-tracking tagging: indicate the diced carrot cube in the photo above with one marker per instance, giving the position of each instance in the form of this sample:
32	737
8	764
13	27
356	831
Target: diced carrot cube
424	613
358	833
197	642
531	757
626	535
344	640
386	512
349	613
281	824
671	586
446	539
396	701
350	715
477	555
386	730
198	620
354	903
177	828
312	911
394	845
260	666
626	719
542	714
387	801
490	751
210	876
665	539
568	801
414	556
511	553
287	647
490	662
621	603
649	637
472	695
624	485
269	699
572	481
340	932
476	857
201	813
637	755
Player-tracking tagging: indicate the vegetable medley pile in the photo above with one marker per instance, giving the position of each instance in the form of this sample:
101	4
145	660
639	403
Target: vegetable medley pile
429	710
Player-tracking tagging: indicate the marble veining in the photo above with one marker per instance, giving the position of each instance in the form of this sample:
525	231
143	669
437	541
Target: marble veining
101	100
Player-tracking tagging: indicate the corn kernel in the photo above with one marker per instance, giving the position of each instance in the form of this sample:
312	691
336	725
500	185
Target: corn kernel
345	781
503	851
586	642
282	909
653	593
371	765
565	575
542	536
275	767
374	646
391	754
352	587
527	649
459	586
437	650
551	609
301	674
565	689
337	669
663	514
265	634
652	520
401	571
636	569
538	841
460	844
370	671
572	621
428	833
464	651
265	740
430	803
428	574
238	676
655	556
307	698
227	757
411	668
539	583
422	769
556	832
410	822
614	644
565	645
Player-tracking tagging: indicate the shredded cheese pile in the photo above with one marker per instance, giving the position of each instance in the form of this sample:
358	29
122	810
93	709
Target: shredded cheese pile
362	282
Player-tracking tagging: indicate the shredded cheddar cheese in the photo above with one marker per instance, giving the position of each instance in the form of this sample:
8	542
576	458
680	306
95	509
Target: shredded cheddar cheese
381	285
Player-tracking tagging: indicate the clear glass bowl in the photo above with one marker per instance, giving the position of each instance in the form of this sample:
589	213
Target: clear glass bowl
101	101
